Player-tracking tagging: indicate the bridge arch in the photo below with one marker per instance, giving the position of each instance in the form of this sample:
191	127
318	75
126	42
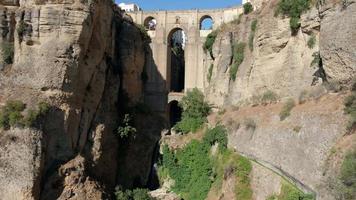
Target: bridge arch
176	42
175	113
206	22
150	23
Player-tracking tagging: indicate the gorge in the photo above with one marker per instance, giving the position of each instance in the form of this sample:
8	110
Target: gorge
99	103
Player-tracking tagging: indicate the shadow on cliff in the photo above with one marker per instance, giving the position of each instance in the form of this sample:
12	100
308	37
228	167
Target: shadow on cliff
138	154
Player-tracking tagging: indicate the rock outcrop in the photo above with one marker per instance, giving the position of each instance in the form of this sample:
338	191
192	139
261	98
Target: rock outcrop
277	66
80	57
281	62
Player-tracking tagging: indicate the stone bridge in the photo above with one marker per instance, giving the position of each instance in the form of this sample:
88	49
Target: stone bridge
158	89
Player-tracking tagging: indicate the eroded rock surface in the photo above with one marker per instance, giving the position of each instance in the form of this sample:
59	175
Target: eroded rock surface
80	57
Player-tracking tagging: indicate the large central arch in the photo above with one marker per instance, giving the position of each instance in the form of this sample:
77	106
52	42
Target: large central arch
176	41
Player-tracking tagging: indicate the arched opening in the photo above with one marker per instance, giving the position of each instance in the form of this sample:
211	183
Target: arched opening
150	23
176	61
206	23
175	113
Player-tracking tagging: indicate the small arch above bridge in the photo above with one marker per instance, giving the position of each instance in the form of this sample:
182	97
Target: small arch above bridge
206	23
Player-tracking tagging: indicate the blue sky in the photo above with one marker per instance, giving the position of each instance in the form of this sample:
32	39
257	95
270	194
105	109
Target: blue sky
181	4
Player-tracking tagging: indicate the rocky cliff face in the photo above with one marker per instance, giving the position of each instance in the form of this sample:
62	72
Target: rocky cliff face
280	65
281	62
76	56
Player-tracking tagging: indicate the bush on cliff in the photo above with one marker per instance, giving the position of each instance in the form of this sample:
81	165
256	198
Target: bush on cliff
7	49
194	169
195	111
287	108
209	43
350	109
11	114
348	176
136	194
247	8
126	129
290	192
293	9
238	58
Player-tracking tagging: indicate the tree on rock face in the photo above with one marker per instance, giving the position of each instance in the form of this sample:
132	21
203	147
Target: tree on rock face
195	111
247	8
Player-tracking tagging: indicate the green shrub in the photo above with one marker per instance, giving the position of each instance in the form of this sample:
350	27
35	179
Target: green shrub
316	59
294	24
191	170
238	58
269	97
250	124
195	111
21	29
209	43
312	41
254	25
210	72
252	34
126	130
350	109
143	32
217	135
194	169
189	124
10	115
15	106
247	8
293	9
290	192
348	176
136	194
7	49
15	119
287	108
242	189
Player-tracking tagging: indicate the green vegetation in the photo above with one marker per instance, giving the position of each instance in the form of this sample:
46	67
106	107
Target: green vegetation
312	41
11	114
247	8
290	192
297	129
210	72
209	42
350	109
287	108
348	176
238	58
269	97
7	49
316	60
21	29
250	124
191	169
146	38
126	130
293	9
216	135
136	194
195	170
252	35
195	111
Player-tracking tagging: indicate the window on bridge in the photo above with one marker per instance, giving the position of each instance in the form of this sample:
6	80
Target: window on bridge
176	61
150	23
175	113
206	23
